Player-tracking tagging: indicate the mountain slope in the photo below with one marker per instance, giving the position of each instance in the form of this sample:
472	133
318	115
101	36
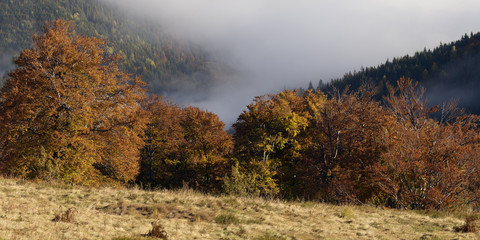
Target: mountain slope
450	71
166	63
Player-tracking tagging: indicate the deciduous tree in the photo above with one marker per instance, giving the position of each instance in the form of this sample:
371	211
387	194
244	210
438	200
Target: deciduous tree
428	164
343	141
207	146
266	138
184	146
68	112
163	144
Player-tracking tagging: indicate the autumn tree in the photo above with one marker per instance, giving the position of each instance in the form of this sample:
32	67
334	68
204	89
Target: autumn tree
428	164
349	148
163	144
342	143
183	146
311	146
67	112
266	138
206	147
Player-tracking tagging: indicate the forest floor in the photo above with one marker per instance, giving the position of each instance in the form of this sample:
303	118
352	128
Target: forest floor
45	211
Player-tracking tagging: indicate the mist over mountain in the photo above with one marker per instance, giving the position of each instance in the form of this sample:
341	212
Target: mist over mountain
5	63
285	44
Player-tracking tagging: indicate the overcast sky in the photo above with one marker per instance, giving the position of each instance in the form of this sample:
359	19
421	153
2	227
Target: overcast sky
280	44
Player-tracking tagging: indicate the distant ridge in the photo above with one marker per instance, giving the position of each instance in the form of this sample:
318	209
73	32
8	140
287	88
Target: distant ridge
449	71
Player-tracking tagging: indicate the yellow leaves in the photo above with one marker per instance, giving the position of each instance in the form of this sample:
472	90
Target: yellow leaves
150	62
314	102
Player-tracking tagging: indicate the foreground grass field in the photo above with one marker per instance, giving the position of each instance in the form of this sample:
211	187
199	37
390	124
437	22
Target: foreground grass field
28	211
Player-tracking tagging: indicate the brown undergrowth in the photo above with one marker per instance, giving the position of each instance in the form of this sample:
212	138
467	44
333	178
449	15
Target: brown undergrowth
67	216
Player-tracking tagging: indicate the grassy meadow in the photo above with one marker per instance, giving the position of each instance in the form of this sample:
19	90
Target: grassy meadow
45	211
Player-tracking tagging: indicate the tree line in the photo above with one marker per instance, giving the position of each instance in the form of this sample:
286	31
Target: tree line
450	70
68	113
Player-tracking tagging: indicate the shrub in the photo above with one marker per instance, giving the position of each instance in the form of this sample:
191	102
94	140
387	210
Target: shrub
67	216
227	219
346	213
469	226
157	231
269	236
241	183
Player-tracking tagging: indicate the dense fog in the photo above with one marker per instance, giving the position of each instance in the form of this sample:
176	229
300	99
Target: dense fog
274	45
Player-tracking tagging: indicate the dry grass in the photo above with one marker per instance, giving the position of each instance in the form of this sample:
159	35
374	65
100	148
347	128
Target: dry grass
27	209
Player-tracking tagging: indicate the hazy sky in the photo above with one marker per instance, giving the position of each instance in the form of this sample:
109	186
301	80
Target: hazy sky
280	44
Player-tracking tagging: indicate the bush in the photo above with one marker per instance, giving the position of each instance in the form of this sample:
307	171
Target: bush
269	236
347	213
470	225
67	216
157	231
241	183
227	219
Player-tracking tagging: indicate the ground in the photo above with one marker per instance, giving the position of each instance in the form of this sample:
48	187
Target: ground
54	211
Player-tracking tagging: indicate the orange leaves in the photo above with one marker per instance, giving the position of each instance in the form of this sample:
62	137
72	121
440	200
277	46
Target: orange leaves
64	97
342	142
350	148
427	163
204	133
183	145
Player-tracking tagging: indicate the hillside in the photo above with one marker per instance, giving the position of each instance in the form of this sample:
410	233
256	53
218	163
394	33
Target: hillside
27	211
449	71
166	63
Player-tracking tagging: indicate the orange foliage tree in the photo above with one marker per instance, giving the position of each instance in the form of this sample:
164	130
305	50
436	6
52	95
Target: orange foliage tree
342	143
310	146
160	161
184	146
206	148
428	164
350	148
68	113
